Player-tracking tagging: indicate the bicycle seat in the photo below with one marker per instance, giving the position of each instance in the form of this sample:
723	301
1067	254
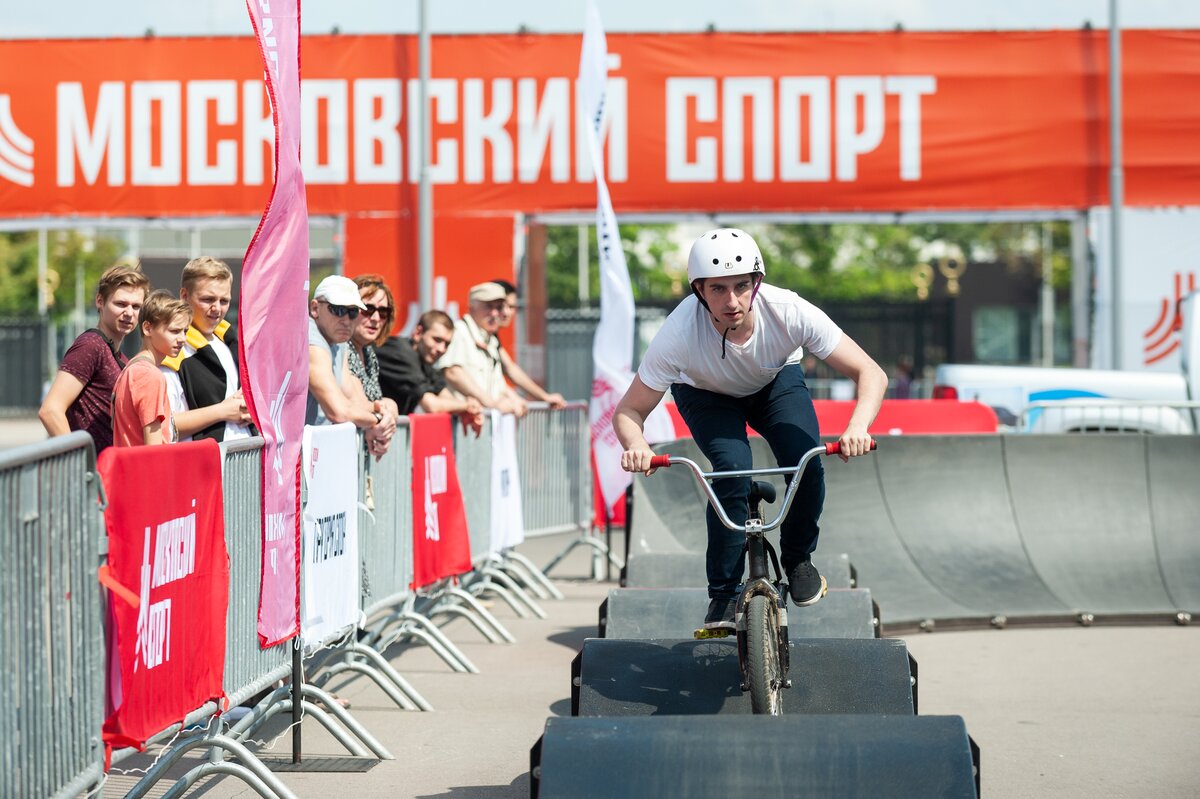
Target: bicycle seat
762	491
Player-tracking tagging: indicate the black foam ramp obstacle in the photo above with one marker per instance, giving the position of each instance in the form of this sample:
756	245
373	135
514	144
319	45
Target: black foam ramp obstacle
640	613
686	570
671	677
706	757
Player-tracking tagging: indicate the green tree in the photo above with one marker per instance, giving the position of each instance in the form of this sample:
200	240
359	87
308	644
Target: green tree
71	256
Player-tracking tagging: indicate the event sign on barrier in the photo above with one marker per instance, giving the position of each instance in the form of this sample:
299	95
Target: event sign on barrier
508	516
168	572
329	525
441	547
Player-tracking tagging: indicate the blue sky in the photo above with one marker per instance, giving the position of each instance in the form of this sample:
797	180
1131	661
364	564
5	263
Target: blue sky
106	18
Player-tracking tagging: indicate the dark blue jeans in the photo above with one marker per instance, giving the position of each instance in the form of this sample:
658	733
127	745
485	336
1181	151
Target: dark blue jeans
782	412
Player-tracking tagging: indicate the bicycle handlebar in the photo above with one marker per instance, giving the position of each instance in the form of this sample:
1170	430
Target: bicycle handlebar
664	461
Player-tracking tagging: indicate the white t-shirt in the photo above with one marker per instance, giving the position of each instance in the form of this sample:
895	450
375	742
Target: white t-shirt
688	347
233	430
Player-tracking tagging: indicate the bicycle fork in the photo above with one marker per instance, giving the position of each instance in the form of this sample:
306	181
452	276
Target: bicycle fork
759	583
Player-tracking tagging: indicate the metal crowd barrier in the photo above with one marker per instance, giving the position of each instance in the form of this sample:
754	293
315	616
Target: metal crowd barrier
556	469
249	668
53	647
51	609
1102	415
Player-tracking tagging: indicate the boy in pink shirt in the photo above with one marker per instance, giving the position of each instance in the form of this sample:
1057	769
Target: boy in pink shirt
141	410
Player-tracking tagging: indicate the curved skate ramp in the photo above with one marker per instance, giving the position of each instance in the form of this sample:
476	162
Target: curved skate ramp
975	528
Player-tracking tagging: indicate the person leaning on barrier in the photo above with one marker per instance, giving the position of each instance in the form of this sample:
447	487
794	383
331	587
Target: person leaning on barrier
334	394
472	365
140	408
371	330
202	380
512	370
731	354
80	398
407	374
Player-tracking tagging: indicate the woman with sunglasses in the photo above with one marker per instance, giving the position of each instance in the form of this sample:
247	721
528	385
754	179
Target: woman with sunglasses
371	329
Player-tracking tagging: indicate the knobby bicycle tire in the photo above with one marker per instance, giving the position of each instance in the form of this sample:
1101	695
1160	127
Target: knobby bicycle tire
764	673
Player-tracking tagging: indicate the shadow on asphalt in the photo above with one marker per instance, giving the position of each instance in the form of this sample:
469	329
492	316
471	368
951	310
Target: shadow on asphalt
517	788
573	638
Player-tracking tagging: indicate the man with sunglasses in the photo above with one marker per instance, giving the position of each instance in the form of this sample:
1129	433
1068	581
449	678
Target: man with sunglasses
335	395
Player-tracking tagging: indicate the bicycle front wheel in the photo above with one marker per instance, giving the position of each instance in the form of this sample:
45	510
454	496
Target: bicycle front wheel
764	673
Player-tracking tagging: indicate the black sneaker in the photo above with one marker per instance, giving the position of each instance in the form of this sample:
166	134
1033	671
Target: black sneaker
721	611
805	583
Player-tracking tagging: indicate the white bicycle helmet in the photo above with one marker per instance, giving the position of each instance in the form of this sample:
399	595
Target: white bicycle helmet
723	252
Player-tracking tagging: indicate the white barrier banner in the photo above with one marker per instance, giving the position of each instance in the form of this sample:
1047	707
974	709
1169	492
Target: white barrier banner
330	570
508	519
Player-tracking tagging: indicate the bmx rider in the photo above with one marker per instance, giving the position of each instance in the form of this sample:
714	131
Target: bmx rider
731	355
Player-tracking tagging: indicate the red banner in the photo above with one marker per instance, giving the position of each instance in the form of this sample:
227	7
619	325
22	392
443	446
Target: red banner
168	571
441	546
273	316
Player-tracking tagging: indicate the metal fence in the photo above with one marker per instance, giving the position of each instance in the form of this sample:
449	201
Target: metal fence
51	634
53	649
23	353
1096	415
248	667
556	471
385	523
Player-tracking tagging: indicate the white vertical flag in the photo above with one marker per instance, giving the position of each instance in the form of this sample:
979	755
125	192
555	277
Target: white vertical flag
612	348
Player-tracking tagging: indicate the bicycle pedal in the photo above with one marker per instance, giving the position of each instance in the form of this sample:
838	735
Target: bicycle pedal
703	634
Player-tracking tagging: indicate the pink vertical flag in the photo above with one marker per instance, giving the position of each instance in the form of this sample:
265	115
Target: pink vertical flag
274	324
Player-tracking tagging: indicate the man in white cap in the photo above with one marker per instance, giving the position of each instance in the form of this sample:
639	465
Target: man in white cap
334	394
473	363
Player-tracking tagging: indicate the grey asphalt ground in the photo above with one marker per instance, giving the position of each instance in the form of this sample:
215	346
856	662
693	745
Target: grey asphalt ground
1074	712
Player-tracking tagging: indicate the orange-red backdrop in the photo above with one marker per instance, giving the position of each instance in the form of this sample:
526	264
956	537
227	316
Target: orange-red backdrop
706	122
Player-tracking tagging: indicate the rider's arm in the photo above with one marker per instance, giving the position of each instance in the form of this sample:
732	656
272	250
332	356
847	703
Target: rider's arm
849	360
629	420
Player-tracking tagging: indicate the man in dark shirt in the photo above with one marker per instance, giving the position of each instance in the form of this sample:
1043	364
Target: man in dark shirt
406	372
80	398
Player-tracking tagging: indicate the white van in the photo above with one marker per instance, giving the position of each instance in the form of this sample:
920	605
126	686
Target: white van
1051	400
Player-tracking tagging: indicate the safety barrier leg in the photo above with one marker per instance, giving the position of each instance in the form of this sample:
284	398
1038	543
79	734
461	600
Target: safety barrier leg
234	769
420	622
600	551
280	702
483	612
484	585
448	608
342	666
424	630
521	577
535	573
351	723
386	669
252	765
501	577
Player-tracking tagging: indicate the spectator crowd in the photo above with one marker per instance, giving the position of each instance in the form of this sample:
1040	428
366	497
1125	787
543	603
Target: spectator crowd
183	384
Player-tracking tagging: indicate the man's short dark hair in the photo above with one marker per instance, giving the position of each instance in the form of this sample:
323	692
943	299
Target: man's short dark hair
509	288
435	317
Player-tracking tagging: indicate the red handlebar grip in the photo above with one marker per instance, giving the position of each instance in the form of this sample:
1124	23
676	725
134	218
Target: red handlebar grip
660	461
835	447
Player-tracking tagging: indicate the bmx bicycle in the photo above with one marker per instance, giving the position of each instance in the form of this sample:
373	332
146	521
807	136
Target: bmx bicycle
764	657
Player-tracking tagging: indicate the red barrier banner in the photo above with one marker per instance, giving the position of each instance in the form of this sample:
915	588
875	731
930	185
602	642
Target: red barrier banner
441	545
168	571
274	324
